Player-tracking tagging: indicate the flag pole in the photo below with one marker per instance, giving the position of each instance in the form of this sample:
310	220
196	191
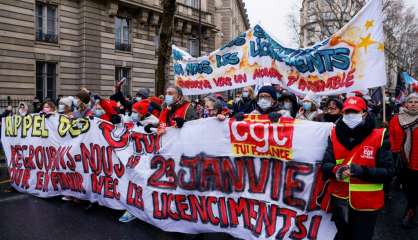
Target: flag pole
383	104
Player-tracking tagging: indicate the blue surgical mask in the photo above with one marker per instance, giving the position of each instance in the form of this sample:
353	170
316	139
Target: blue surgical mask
98	112
169	99
287	105
245	94
307	106
138	99
135	116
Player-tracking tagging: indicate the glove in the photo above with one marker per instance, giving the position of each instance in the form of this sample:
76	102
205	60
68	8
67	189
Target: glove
147	128
274	117
179	122
356	170
239	116
115	119
339	169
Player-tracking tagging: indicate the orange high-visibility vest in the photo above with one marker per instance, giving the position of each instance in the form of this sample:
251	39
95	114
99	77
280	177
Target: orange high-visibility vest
362	195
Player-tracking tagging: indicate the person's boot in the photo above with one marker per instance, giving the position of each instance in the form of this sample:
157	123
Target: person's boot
408	219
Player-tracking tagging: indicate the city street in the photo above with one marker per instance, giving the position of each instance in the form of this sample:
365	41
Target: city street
27	217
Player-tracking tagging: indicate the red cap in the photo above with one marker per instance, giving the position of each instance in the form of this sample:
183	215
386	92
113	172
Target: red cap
355	103
142	107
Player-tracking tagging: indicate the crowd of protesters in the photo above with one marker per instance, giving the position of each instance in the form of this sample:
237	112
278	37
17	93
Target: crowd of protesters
355	117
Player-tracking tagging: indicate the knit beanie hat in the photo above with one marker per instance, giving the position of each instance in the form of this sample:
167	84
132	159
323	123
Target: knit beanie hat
268	89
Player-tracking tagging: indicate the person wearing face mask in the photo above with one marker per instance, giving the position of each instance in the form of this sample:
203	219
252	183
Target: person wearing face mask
23	109
81	103
332	113
214	108
246	103
110	109
48	108
141	94
289	104
356	164
143	114
403	129
176	110
266	104
65	106
309	110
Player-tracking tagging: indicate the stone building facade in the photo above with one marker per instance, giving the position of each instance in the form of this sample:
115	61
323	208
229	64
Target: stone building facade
55	47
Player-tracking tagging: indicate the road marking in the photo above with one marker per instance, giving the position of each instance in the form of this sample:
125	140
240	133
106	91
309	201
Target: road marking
14	198
5	181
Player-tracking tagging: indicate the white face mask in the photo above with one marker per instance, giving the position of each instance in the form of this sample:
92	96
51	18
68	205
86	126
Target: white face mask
352	120
61	108
245	94
264	103
135	116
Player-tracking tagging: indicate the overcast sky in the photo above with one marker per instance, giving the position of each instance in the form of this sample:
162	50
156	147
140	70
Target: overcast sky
273	15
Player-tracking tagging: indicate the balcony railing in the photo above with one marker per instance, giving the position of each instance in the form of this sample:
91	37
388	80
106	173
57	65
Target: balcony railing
123	46
46	37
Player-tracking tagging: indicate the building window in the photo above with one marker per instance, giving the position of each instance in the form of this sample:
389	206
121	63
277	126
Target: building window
193	3
123	72
122	34
193	47
46	22
46	80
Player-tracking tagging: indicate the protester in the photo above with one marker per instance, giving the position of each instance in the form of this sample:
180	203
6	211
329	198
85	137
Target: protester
48	107
245	103
332	111
143	115
266	104
214	108
23	109
65	106
82	104
98	110
36	105
176	110
141	94
357	162
289	104
310	108
110	109
403	129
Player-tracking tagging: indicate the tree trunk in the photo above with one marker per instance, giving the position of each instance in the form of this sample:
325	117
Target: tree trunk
164	50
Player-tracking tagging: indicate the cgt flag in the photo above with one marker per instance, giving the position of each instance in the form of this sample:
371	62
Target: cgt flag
351	59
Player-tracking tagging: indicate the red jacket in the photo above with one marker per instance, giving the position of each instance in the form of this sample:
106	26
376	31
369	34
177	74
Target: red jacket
397	141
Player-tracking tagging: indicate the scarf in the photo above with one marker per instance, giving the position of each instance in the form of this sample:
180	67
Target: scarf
409	121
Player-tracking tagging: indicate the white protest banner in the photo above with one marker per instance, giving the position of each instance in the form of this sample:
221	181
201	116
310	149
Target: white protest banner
351	59
251	179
